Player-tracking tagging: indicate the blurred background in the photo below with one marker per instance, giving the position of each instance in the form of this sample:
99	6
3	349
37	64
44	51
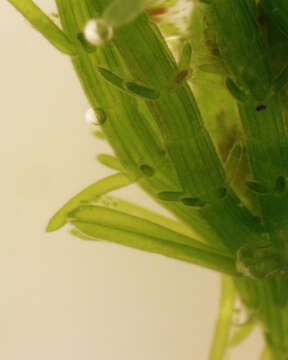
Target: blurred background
61	297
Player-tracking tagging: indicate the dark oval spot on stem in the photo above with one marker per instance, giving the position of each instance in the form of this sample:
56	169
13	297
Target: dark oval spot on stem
280	184
170	195
261	107
181	76
193	202
221	192
147	170
261	19
257	219
256	187
156	11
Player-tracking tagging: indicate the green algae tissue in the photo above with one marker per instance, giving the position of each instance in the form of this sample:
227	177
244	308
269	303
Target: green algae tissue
192	97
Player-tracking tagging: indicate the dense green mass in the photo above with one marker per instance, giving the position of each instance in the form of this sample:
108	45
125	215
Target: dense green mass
200	123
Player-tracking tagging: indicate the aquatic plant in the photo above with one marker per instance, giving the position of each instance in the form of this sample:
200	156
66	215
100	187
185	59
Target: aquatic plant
191	96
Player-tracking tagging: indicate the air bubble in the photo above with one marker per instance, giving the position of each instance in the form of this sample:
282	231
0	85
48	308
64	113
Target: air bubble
85	44
97	32
95	116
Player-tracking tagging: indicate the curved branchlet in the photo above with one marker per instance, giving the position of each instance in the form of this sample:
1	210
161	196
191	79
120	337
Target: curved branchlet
144	106
40	21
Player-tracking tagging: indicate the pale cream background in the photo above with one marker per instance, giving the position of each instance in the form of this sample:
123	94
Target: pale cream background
63	298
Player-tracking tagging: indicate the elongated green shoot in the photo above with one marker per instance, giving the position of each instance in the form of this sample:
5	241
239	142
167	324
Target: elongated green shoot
233	162
110	161
212	150
136	210
224	320
201	257
80	235
242	333
266	354
185	56
126	222
45	26
91	193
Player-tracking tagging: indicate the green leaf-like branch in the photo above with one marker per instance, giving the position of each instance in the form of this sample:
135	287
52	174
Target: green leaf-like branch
89	194
125	229
45	26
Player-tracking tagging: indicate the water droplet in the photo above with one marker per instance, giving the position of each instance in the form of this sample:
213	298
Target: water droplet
85	44
97	32
239	315
147	170
95	116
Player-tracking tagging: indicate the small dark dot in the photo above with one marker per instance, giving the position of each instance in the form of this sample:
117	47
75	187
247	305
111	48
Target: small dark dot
156	11
261	107
261	19
257	219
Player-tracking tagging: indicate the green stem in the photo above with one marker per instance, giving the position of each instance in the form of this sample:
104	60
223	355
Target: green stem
278	10
194	158
121	125
224	320
184	135
45	25
267	145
